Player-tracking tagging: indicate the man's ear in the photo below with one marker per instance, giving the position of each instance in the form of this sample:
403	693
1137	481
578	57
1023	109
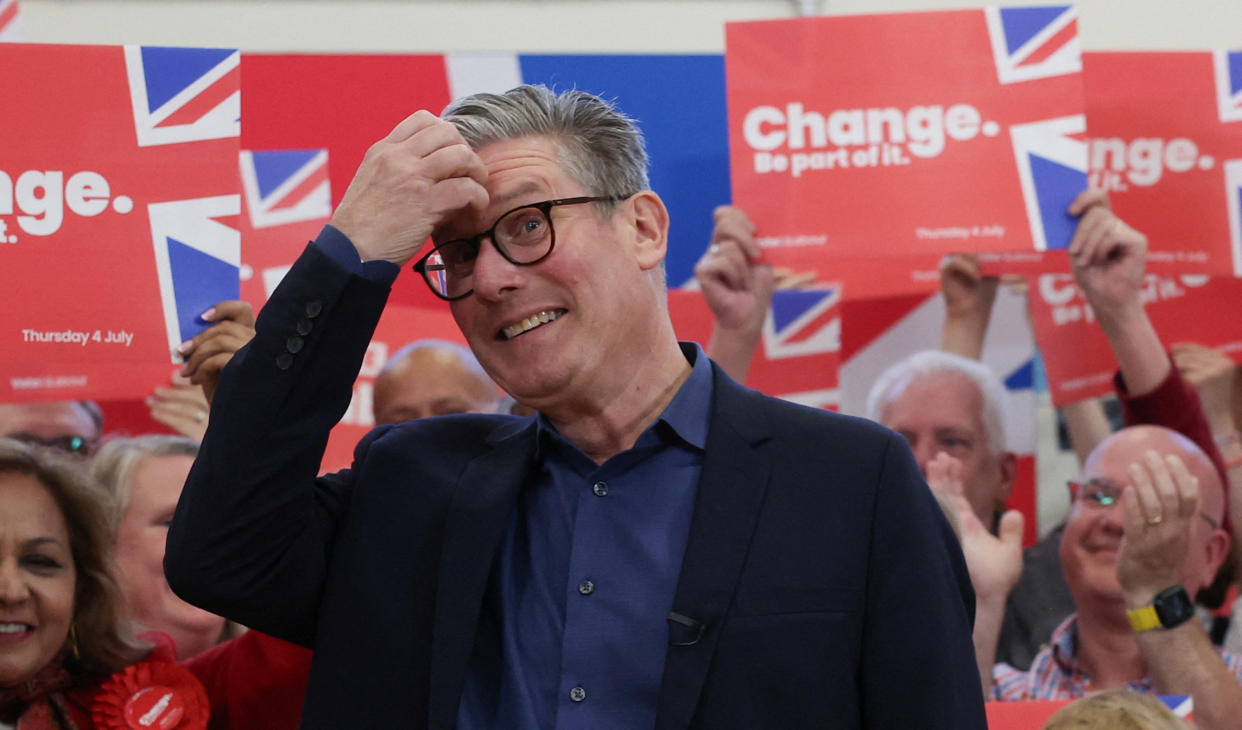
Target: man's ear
1217	548
1008	475
650	226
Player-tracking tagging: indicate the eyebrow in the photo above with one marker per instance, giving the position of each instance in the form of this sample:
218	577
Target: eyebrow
521	190
40	541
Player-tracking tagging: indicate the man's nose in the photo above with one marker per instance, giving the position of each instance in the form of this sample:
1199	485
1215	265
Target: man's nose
924	452
493	274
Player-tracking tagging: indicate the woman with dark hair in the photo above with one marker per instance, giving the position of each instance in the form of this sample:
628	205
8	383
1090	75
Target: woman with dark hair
67	658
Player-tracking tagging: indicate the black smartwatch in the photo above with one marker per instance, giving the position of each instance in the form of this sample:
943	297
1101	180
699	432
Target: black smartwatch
1170	608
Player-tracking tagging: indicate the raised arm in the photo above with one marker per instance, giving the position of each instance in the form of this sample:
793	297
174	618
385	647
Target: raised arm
738	287
254	530
968	300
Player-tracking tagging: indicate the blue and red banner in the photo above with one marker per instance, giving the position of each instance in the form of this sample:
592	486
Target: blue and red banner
118	213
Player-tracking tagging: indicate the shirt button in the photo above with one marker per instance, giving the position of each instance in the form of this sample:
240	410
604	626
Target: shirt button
577	694
586	587
600	489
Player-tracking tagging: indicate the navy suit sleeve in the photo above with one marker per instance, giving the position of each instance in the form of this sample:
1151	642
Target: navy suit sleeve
253	531
919	668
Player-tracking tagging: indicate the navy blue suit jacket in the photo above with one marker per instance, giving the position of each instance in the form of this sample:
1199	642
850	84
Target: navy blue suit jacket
832	591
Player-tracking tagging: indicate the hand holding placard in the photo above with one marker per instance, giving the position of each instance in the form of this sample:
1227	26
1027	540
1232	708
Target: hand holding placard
408	183
1108	259
210	350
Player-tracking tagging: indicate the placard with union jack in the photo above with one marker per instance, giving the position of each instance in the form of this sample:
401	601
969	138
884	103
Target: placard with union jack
286	200
799	351
908	134
119	199
1166	143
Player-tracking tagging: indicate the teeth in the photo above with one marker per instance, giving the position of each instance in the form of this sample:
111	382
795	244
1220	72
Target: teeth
531	323
14	628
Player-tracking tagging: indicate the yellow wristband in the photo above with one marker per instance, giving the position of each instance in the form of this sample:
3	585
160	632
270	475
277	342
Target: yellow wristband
1143	619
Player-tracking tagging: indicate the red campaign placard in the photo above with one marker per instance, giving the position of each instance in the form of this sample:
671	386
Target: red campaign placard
1077	358
286	200
1030	715
399	326
341	103
906	134
799	350
118	213
1165	138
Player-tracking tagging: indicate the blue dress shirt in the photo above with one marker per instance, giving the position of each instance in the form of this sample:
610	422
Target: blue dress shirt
586	575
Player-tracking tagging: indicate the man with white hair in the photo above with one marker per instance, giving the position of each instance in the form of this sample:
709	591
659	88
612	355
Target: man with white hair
943	403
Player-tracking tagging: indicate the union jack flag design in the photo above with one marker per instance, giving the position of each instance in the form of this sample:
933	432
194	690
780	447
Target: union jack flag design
285	186
197	257
10	22
1233	197
1052	167
1229	85
1035	42
801	348
1182	705
286	199
184	94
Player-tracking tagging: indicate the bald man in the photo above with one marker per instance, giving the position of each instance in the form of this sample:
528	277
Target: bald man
1143	537
432	378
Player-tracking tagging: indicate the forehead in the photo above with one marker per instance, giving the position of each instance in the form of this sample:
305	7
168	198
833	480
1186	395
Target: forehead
934	400
161	475
428	374
46	420
27	508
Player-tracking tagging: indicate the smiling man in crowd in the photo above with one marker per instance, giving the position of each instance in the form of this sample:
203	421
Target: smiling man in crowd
659	547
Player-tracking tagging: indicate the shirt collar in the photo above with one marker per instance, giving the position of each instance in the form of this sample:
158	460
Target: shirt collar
687	415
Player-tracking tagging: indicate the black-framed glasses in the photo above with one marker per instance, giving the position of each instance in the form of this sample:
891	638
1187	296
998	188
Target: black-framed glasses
1103	493
524	236
76	445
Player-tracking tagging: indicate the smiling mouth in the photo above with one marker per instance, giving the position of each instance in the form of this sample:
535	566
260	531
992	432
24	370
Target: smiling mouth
14	628
530	323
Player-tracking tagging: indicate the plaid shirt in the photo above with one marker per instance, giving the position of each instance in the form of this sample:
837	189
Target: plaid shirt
1055	673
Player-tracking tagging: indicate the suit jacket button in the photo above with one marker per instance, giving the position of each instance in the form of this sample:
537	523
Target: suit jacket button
294	344
304	327
313	309
284	361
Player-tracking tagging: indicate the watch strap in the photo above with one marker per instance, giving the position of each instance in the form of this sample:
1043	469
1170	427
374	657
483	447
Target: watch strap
1143	619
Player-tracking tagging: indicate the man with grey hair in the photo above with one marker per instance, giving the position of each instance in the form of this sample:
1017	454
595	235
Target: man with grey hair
941	402
659	547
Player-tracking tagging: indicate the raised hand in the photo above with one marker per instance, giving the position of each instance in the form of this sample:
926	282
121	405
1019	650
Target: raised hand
1108	258
735	282
409	182
210	350
1159	511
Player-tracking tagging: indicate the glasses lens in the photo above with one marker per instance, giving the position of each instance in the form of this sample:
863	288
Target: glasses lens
524	234
449	268
1101	493
68	444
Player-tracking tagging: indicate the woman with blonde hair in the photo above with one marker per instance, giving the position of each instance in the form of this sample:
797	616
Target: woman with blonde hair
1116	709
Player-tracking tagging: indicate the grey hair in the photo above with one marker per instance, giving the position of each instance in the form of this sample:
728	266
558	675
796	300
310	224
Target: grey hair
935	362
468	360
599	145
114	466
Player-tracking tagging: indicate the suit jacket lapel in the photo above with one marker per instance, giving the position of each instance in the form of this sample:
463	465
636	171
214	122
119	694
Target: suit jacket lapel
731	490
483	500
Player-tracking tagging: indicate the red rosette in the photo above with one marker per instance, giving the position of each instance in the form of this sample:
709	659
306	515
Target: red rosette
151	695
